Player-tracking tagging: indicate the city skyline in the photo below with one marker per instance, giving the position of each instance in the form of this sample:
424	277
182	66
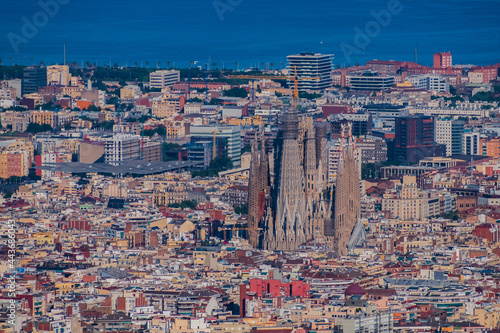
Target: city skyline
250	166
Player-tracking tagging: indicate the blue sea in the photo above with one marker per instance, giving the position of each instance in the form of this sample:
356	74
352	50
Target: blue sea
244	33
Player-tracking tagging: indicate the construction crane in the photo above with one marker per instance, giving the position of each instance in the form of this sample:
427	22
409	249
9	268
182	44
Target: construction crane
214	143
295	79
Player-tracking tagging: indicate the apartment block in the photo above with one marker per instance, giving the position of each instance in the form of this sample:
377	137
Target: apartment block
442	60
122	147
58	75
43	118
430	82
489	147
470	143
34	77
168	106
450	133
163	79
310	65
227	140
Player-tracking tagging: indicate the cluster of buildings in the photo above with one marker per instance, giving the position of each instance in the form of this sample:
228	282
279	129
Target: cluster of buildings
371	204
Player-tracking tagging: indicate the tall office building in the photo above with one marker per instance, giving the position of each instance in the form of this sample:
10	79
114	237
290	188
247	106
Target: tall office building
227	140
122	147
309	65
470	142
414	139
34	77
163	79
449	132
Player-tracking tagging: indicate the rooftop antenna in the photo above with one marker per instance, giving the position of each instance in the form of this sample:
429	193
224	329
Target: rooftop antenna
64	53
416	49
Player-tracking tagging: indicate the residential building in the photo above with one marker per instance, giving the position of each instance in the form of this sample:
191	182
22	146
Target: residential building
414	139
168	106
333	156
430	82
130	92
95	96
192	108
163	79
236	196
489	147
380	322
14	163
371	81
471	143
361	123
17	121
201	151
371	150
152	151
310	65
58	75
122	147
442	60
227	140
43	118
170	194
34	77
450	133
385	115
406	201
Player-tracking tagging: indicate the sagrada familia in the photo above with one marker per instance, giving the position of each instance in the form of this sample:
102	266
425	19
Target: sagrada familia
289	202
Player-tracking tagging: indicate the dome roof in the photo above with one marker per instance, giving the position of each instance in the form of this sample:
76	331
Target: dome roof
354	289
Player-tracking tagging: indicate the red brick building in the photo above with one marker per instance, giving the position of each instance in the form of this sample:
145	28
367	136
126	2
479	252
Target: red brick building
487	231
442	60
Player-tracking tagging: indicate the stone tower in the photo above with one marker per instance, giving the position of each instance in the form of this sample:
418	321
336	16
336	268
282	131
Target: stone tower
289	209
258	188
286	225
347	195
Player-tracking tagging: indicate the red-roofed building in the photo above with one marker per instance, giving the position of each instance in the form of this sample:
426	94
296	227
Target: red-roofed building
487	231
442	60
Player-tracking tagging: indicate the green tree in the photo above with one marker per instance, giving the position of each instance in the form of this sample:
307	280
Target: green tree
236	92
247	148
191	204
241	210
305	95
106	125
36	128
195	100
484	96
161	130
217	165
92	107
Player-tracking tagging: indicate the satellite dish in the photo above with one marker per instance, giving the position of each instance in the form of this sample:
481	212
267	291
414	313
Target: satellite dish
248	253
